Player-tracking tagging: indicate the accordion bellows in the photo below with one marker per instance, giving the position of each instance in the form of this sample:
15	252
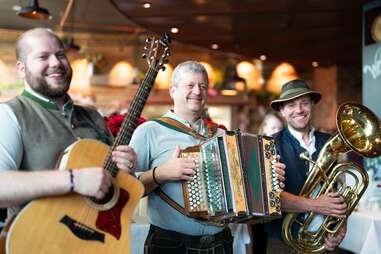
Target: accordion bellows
235	179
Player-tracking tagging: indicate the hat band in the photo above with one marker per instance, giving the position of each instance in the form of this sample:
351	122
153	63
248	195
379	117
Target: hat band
294	90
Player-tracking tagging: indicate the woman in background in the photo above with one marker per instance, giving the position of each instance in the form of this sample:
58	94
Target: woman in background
270	125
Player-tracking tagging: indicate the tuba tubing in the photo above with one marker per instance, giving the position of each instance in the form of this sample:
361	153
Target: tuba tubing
358	131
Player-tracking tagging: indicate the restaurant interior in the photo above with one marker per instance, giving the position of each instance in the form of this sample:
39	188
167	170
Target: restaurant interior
249	49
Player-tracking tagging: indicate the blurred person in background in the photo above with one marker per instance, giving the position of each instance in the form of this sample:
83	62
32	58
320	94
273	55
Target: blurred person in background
270	125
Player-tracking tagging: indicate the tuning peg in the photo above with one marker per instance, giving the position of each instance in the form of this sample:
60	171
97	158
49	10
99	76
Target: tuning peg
148	40
145	47
166	38
144	55
163	68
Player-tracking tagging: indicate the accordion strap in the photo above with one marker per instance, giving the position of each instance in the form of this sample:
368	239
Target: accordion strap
171	202
181	209
177	126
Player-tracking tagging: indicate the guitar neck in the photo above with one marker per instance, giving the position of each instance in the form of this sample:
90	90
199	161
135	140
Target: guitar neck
135	108
130	122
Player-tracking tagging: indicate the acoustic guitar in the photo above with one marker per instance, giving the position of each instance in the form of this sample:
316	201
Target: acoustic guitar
77	224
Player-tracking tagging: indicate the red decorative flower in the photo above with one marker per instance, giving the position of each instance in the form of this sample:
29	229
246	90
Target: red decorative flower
210	123
212	126
114	122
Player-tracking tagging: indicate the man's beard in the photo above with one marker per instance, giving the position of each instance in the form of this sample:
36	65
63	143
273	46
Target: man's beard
41	86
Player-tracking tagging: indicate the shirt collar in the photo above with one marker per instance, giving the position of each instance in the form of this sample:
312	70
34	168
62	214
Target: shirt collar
45	102
310	146
198	125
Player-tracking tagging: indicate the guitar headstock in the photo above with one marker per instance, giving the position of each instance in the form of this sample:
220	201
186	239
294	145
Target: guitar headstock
157	52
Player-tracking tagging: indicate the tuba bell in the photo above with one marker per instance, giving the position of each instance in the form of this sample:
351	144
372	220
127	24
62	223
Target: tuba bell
359	131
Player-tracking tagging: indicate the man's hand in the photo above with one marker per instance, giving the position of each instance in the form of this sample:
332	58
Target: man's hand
331	241
280	172
93	182
176	168
331	204
125	158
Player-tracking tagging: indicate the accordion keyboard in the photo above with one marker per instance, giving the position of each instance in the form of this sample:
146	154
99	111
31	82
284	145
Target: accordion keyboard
273	182
212	178
205	192
196	190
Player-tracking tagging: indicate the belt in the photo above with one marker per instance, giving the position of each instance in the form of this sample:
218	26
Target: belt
203	239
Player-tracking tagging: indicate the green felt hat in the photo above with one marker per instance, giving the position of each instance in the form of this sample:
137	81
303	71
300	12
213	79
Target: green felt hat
292	90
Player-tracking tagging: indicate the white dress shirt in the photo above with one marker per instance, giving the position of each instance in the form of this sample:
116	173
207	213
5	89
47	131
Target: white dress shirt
310	145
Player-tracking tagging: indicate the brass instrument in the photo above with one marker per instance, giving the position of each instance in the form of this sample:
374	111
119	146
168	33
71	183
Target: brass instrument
358	130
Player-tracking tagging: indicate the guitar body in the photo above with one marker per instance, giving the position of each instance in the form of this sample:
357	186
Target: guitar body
76	224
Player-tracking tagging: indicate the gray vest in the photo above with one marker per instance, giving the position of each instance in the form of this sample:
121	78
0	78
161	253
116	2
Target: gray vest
47	132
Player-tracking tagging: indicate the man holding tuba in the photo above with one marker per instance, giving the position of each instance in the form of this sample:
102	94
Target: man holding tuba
295	105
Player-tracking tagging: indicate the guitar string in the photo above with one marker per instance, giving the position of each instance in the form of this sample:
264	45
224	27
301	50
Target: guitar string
87	214
130	122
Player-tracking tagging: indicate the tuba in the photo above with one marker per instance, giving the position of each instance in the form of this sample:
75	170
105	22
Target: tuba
358	130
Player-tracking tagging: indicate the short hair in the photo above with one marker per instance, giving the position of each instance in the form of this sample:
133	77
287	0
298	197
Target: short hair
21	43
187	66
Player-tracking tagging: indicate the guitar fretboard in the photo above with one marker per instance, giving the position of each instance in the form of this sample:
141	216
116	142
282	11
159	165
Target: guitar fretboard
130	122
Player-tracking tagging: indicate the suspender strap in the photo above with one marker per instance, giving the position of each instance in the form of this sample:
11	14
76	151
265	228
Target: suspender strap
177	126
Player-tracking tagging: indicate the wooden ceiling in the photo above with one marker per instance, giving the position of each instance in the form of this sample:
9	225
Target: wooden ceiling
299	32
284	30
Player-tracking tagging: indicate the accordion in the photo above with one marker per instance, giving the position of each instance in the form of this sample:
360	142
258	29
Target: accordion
235	180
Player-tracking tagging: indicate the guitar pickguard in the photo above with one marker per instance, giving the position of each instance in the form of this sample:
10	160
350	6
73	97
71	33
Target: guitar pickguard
109	220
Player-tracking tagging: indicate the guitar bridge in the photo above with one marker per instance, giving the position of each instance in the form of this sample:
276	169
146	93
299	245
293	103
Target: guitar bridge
82	231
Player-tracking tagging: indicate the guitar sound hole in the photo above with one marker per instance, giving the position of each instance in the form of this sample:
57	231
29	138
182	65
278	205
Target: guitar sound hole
106	198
